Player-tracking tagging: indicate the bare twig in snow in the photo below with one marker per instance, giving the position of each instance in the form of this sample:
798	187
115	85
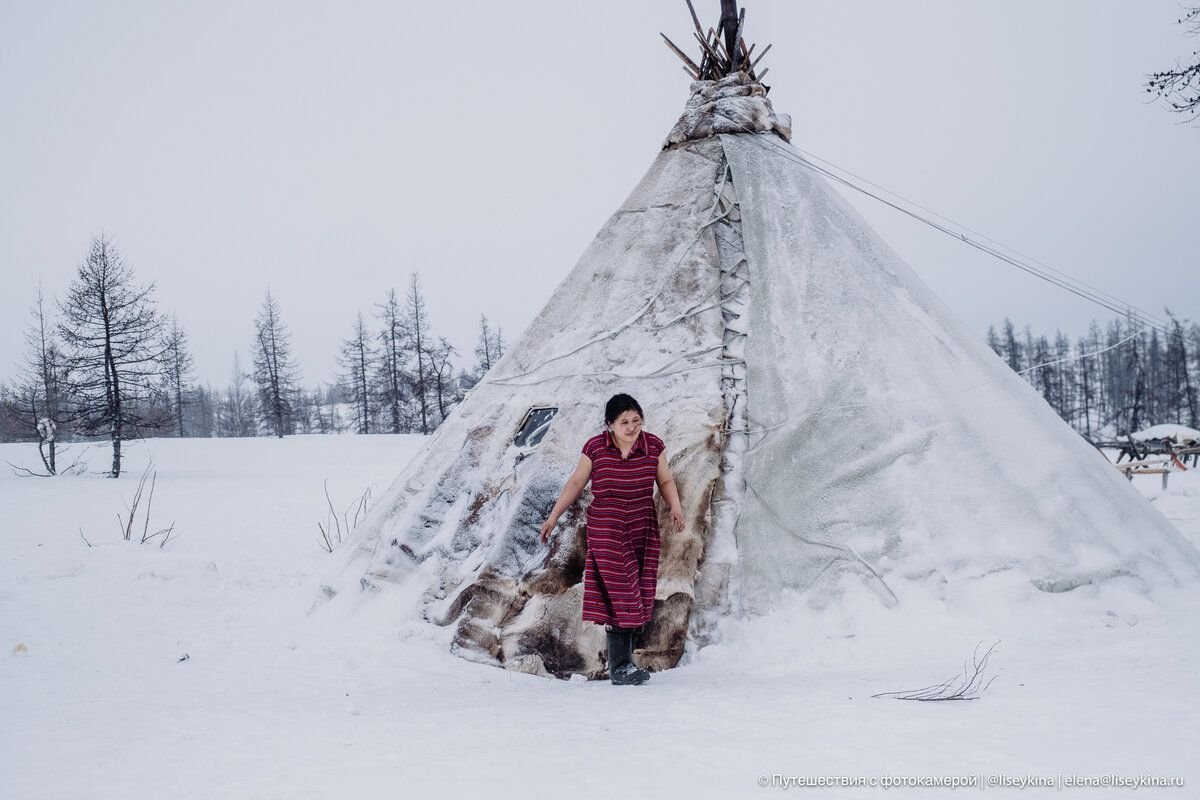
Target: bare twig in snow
967	686
126	525
28	473
342	527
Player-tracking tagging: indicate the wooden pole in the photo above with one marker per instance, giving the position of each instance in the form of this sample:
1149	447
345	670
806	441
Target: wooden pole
729	25
690	65
737	43
695	19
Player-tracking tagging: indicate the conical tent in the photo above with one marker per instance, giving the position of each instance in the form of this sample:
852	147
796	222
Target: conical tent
827	420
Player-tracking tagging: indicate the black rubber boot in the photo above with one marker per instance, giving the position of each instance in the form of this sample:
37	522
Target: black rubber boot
633	636
636	636
615	649
621	669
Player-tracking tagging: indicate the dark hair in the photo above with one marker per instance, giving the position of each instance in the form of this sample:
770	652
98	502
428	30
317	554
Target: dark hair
617	405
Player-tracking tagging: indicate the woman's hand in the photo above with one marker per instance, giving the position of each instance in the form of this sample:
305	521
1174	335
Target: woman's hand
677	518
570	493
548	528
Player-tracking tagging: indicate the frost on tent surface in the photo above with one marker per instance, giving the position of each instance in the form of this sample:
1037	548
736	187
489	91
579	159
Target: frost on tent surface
829	423
887	441
455	540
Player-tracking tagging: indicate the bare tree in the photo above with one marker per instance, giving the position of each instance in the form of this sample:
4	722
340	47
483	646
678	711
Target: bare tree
113	334
9	427
357	358
177	371
993	341
237	412
1180	87
201	411
40	385
303	411
1180	393
325	418
444	386
1089	376
1192	362
1012	348
416	330
391	376
275	373
488	349
1135	367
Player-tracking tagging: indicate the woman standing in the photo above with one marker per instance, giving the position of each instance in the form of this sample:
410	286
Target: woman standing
620	571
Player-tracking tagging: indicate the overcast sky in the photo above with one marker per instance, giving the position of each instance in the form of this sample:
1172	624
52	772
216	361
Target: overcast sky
329	150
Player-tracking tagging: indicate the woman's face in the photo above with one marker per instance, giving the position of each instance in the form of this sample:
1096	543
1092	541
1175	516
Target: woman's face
627	426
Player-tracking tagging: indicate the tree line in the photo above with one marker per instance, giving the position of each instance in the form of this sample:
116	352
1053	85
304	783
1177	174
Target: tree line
105	362
1115	379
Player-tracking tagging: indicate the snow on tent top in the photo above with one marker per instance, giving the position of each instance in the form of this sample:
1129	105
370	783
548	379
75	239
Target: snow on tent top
827	418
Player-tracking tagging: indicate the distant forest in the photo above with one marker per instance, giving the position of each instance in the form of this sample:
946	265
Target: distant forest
1113	380
104	362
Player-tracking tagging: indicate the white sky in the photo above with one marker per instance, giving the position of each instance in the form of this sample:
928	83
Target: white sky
329	150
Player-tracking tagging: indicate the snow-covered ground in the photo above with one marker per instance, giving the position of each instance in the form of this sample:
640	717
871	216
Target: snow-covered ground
194	671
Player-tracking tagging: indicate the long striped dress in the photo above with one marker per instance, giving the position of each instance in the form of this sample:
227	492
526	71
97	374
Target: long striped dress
621	568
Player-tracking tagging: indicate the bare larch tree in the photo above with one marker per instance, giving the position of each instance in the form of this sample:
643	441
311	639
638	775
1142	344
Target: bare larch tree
356	357
391	377
237	412
1180	87
416	332
444	387
178	366
113	336
489	348
275	373
40	384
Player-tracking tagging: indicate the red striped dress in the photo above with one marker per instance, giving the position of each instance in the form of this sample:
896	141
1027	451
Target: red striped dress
621	567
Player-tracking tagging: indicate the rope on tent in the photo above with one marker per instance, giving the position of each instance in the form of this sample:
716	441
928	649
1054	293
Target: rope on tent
694	310
697	308
715	217
806	540
1094	296
656	373
984	237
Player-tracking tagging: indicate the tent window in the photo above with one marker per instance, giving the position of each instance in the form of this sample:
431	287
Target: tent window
534	426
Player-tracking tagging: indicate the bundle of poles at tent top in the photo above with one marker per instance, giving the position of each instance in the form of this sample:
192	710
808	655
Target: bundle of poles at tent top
723	51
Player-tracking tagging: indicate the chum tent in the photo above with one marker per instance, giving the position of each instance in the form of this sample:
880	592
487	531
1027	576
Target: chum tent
828	419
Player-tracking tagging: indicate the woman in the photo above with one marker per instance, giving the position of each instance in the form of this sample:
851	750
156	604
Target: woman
621	567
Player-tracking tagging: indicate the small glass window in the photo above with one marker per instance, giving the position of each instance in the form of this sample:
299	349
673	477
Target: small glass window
534	426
